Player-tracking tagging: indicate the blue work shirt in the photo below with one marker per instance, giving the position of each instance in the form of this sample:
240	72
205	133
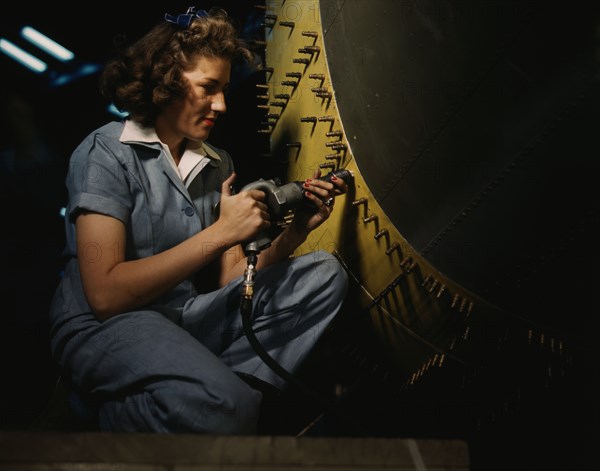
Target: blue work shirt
137	183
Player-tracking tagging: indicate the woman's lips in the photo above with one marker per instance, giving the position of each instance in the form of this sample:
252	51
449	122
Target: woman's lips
208	121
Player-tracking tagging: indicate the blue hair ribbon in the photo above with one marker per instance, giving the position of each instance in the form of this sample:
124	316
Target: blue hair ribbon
184	20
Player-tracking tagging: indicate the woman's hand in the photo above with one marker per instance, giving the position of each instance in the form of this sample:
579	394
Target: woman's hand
242	215
306	219
322	194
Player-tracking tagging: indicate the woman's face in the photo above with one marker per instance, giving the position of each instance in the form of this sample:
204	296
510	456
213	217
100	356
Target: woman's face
194	116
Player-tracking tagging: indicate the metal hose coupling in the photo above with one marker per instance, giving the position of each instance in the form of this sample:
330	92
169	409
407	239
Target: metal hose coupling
248	283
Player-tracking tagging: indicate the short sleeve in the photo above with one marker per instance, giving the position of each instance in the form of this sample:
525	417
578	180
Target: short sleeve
97	181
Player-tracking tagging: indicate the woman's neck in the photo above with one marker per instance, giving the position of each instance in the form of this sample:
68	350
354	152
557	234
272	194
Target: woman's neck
178	150
175	143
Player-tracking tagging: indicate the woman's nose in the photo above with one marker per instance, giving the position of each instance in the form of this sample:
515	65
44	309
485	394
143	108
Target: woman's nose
218	104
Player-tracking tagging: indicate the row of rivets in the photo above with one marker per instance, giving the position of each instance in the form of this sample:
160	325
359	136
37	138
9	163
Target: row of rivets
465	304
333	159
267	126
391	248
552	342
434	285
270	20
436	361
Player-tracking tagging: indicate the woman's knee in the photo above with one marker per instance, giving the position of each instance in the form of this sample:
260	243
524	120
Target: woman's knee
186	407
330	272
230	410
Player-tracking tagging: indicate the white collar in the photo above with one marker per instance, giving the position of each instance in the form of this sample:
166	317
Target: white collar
135	132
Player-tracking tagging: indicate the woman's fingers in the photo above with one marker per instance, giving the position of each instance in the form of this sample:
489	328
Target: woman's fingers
324	189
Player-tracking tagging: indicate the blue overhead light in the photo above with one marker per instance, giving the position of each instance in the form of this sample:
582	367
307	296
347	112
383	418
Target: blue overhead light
23	57
46	44
82	71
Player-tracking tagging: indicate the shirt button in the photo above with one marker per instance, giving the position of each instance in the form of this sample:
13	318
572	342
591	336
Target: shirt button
189	211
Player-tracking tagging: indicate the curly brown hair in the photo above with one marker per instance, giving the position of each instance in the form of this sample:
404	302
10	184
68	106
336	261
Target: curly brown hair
148	75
